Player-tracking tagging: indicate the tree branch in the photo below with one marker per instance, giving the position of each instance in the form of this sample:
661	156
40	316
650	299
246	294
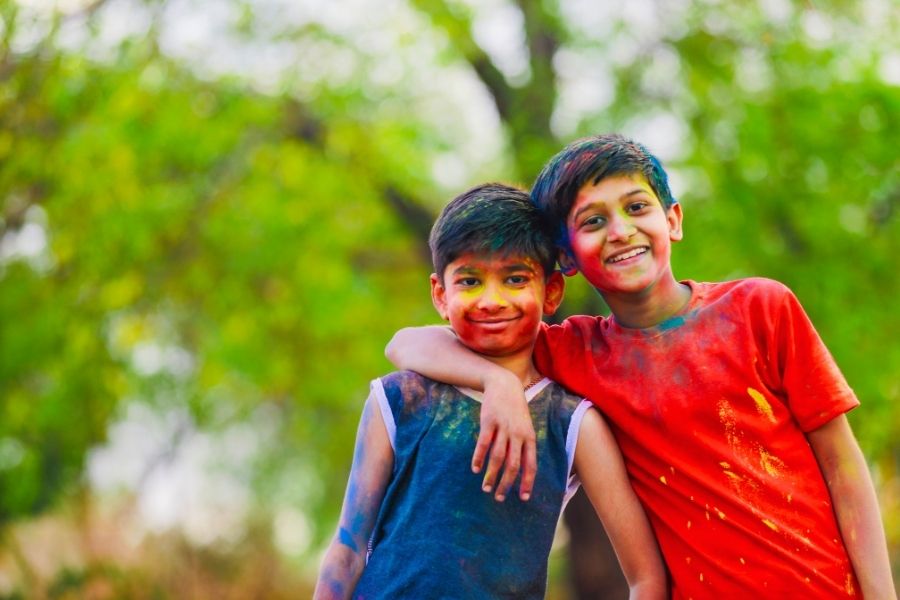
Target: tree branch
459	29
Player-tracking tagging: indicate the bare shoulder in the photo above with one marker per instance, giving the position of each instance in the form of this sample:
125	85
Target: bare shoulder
594	433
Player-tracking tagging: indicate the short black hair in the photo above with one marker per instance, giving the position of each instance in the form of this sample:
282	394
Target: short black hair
590	160
491	218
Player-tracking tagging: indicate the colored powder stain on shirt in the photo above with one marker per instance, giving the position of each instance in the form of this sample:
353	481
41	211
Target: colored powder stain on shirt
848	585
672	323
721	514
770	524
729	421
771	464
762	405
663	479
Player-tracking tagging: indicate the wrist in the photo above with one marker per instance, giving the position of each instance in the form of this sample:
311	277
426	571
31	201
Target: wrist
497	377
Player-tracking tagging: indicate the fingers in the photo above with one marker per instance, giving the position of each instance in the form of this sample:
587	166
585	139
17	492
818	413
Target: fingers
485	437
510	470
529	468
495	461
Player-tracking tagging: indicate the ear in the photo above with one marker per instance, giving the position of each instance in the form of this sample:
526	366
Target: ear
674	216
439	296
567	262
554	290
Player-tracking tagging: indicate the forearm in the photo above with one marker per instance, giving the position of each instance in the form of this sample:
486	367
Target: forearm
435	352
599	465
373	461
856	507
339	574
652	589
859	519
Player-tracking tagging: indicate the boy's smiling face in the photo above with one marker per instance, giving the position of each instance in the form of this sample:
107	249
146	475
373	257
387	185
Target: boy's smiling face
620	235
495	303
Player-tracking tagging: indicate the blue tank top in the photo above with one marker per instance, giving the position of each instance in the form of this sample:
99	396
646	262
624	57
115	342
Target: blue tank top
437	534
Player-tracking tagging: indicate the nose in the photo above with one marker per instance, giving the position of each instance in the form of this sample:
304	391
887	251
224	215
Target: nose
619	228
492	298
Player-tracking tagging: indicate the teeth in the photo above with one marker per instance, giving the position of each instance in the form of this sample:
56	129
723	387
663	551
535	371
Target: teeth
627	255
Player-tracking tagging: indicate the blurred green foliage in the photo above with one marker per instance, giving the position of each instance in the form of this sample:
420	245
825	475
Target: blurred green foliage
260	246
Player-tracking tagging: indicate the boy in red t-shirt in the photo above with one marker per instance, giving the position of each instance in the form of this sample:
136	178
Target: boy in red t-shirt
727	406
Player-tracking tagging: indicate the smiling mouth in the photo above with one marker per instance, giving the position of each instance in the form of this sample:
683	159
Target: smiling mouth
492	321
626	255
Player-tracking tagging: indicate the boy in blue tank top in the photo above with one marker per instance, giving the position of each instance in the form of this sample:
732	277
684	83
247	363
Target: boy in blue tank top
414	523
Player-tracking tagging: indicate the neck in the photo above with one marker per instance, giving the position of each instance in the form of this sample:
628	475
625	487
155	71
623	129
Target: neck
651	306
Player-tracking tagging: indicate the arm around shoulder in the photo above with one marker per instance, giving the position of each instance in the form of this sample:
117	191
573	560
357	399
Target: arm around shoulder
435	352
599	466
846	474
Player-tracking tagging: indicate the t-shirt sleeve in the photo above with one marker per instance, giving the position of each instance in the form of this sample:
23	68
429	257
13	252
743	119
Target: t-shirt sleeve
543	353
814	386
378	396
573	482
562	351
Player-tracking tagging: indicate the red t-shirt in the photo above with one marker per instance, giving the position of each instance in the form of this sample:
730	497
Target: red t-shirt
710	409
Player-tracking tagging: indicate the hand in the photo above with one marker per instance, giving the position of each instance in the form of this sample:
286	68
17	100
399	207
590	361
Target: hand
506	423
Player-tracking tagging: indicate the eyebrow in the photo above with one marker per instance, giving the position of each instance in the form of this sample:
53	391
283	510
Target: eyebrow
628	194
466	269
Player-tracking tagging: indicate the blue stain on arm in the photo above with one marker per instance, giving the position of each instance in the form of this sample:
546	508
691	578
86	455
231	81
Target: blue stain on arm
346	539
373	462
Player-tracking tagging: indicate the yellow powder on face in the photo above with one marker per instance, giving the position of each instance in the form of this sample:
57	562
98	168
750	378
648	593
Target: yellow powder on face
770	524
762	405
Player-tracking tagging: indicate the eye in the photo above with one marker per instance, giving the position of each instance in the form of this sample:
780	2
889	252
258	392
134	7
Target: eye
517	279
467	281
594	221
637	206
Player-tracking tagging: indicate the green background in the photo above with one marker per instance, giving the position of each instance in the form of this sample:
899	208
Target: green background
212	219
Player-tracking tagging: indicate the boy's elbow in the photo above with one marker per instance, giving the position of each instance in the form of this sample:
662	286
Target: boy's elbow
394	349
409	343
653	588
339	573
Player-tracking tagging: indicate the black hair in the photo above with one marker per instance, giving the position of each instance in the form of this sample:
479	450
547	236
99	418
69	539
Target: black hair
492	218
590	160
